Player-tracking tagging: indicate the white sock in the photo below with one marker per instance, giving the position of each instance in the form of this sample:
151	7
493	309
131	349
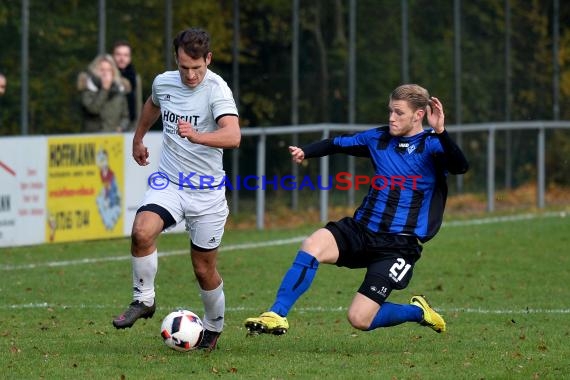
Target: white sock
144	272
214	308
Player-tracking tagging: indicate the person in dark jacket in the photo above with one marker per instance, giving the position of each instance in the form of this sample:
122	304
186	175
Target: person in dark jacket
122	54
3	84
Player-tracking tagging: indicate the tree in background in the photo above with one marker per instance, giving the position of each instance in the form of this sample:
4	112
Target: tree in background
64	37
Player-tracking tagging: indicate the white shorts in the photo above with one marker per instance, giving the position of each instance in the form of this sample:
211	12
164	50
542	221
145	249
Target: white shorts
205	212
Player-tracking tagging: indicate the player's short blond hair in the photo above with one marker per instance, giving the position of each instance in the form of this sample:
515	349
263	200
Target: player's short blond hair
416	96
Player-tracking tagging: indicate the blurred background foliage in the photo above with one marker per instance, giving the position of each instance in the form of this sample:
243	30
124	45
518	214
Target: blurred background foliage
64	39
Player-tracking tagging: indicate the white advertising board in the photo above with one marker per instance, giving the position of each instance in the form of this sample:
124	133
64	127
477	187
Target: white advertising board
22	190
137	177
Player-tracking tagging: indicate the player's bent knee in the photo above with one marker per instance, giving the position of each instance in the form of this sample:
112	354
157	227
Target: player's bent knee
358	320
318	240
204	267
142	237
203	271
310	244
322	246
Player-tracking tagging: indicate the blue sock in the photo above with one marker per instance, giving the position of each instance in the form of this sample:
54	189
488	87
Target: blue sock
391	314
295	282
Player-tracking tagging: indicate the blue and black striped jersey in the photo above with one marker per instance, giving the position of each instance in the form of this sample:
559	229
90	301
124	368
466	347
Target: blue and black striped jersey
409	190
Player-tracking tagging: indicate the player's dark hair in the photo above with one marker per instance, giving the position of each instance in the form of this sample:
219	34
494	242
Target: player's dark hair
415	95
194	41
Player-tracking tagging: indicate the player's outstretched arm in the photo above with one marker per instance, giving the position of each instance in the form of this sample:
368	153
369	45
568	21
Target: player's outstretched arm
327	147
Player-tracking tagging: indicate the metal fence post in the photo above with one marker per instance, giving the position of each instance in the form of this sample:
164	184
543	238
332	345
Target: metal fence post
324	195
25	67
235	179
540	181
259	192
491	169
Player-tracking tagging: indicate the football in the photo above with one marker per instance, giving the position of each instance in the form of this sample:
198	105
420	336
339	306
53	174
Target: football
182	330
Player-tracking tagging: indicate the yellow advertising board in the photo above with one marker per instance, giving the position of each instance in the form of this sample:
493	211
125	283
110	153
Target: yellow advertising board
85	187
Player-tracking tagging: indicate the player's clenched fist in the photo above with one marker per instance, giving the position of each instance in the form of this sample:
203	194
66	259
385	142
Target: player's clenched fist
186	130
140	153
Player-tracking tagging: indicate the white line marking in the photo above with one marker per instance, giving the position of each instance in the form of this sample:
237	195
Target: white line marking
270	243
317	309
232	247
504	219
520	311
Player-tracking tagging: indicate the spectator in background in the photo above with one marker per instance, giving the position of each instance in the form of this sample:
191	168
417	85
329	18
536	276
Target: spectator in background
122	55
2	84
104	96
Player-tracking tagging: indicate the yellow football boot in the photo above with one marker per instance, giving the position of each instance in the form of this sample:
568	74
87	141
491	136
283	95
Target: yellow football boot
267	323
431	318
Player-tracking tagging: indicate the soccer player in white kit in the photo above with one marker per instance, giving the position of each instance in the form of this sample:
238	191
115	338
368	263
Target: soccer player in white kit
200	119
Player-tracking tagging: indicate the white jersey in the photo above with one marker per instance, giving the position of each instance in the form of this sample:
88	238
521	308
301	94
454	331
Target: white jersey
185	162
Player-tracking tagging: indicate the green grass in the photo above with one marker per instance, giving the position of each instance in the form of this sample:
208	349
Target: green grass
502	287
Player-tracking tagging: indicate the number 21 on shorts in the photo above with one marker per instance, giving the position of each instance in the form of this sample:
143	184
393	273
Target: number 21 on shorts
399	269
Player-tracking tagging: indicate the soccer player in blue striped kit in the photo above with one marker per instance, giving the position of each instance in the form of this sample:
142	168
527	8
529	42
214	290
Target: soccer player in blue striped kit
387	231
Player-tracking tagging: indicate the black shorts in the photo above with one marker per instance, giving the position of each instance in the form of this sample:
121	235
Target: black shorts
389	259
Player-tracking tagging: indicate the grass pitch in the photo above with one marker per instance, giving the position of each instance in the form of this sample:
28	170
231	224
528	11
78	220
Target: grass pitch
501	284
